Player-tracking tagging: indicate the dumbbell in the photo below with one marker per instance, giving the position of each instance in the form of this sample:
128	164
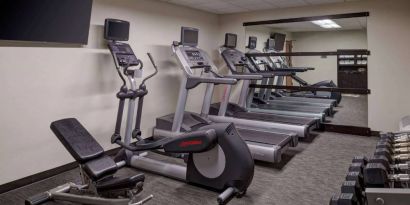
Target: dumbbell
394	148
376	175
402	137
360	159
358	164
357	177
404	141
400	167
394	134
382	143
354	187
393	158
344	199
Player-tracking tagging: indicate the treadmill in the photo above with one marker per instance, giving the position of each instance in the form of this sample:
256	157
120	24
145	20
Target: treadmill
277	63
238	114
264	144
264	101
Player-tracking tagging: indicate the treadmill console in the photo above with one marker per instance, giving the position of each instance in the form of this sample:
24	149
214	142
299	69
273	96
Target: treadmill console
195	57
123	54
237	60
235	56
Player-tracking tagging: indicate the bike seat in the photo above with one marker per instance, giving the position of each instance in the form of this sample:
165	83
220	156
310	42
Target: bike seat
100	167
77	140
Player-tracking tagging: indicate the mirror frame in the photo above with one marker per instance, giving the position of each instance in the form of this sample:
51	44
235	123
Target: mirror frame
309	18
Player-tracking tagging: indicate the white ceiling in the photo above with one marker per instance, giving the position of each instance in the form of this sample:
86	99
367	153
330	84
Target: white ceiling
235	6
346	24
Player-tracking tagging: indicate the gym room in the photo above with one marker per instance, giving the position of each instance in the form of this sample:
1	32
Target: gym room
131	102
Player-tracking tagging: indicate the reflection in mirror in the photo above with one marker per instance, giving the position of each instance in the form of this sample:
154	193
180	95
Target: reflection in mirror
325	35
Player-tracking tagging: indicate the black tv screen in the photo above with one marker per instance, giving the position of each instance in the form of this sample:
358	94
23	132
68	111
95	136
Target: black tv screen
60	21
279	41
117	30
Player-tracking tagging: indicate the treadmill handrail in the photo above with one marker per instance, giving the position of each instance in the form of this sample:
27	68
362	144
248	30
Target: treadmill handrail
195	81
271	74
245	76
295	69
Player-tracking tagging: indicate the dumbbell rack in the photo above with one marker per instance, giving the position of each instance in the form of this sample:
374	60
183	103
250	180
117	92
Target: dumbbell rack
382	179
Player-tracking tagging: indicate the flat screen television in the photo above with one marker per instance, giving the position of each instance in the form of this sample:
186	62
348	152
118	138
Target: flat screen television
280	39
117	30
59	21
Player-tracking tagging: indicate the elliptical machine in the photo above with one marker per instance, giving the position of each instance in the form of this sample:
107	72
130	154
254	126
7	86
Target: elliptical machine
211	151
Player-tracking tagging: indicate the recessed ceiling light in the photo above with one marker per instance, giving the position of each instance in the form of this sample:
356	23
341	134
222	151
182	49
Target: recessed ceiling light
326	23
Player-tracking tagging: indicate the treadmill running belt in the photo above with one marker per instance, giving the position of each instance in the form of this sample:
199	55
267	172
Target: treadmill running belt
274	118
294	108
264	137
305	99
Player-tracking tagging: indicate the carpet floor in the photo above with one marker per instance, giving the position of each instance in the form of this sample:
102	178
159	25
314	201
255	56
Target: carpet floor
308	175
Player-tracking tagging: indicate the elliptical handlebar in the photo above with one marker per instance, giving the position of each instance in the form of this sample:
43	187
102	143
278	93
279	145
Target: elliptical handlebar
155	67
134	92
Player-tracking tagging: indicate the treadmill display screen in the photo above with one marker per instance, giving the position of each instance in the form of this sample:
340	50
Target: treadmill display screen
270	44
252	42
279	41
230	40
189	36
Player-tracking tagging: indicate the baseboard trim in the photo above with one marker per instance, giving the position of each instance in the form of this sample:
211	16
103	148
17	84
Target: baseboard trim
347	129
44	175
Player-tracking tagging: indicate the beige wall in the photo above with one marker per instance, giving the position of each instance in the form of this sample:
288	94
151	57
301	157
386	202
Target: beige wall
42	84
325	68
388	40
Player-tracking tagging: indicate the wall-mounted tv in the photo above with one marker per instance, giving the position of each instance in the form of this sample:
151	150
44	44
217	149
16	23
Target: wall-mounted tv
59	21
279	41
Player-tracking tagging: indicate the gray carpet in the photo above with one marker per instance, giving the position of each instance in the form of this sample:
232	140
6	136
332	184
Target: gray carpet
309	174
352	111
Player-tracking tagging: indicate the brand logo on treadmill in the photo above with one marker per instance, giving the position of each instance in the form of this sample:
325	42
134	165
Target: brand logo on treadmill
190	143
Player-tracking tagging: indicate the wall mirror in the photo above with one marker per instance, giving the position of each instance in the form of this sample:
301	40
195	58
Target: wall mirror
333	51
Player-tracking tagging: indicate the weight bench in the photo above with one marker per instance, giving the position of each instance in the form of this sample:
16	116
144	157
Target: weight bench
97	172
